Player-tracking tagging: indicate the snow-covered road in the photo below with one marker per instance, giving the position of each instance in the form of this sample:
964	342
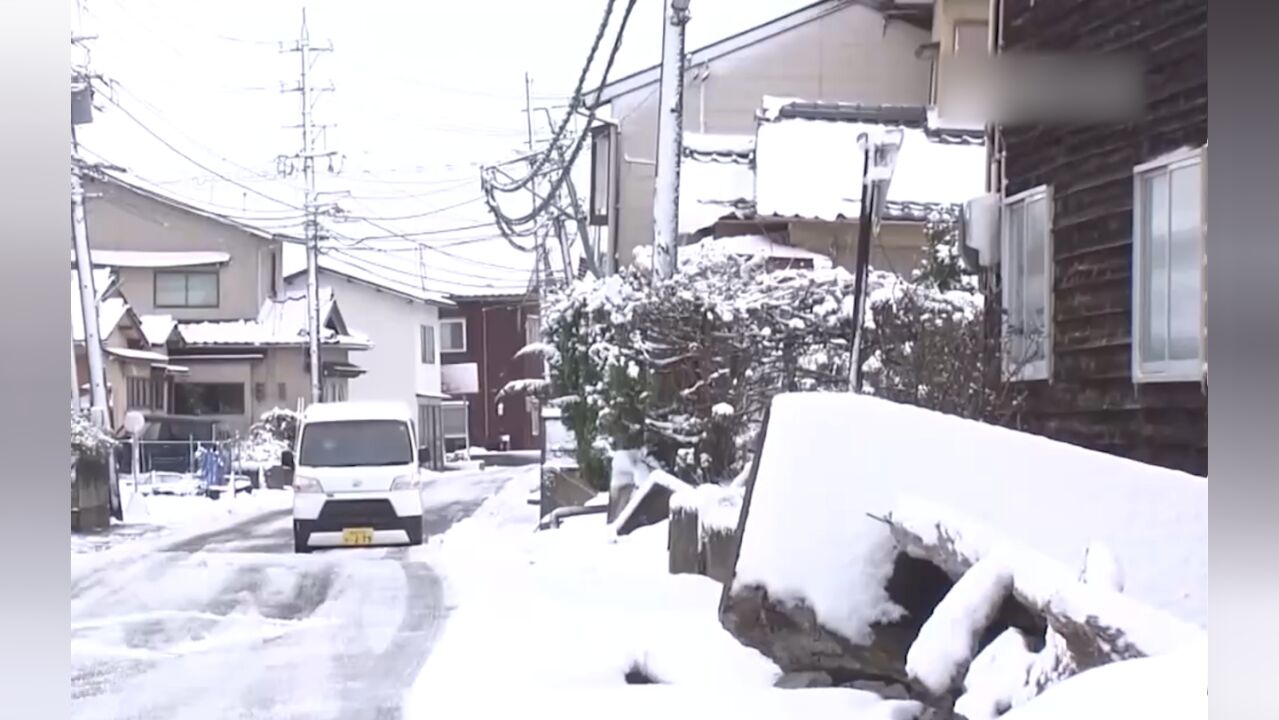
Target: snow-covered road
230	624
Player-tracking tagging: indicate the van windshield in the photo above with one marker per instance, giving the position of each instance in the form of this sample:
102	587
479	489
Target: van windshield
351	443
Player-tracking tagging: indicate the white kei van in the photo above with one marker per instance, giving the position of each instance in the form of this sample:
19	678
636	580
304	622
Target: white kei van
356	478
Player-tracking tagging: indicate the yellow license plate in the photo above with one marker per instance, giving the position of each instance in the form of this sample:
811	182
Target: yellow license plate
357	536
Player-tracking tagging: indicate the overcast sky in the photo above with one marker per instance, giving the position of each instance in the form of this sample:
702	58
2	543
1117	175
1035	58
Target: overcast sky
425	91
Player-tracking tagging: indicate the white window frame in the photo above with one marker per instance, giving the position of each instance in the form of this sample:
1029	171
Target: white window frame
1156	371
428	348
444	335
1040	369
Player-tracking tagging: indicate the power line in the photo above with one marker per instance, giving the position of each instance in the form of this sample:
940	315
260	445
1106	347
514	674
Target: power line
576	99
197	163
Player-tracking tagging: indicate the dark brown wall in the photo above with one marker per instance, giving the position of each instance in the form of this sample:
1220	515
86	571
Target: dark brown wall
494	333
1092	400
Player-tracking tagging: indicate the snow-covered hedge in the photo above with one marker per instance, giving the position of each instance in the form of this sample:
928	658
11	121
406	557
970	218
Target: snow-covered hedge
684	368
88	439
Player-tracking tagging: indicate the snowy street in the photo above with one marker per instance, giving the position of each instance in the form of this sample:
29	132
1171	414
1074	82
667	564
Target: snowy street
224	621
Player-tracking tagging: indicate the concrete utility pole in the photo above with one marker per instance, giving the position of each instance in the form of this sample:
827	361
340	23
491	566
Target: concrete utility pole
82	114
670	144
311	205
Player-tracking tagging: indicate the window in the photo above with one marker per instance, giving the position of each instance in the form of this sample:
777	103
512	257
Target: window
208	398
972	37
1027	268
333	390
186	289
455	424
428	345
1168	264
603	139
453	335
259	392
282	392
349	443
144	393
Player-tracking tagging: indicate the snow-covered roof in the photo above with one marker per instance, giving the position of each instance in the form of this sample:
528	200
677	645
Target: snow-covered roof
367	410
812	169
158	328
143	355
156	259
279	322
716	179
488	268
753	245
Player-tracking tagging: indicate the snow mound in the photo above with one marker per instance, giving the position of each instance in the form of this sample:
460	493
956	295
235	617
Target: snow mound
833	458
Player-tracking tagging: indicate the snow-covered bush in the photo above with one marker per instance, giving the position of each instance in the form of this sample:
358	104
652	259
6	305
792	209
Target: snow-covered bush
926	342
684	368
87	439
271	435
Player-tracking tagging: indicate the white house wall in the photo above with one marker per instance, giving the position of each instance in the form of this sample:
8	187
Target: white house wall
848	56
394	371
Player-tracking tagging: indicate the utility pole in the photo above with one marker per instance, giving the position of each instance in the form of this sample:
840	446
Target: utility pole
311	205
99	412
670	144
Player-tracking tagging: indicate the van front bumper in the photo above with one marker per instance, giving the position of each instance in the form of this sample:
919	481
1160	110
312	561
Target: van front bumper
394	517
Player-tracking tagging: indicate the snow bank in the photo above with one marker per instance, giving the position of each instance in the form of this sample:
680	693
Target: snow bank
557	619
1170	687
831	458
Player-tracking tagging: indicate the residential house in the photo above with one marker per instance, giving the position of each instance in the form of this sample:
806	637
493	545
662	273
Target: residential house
137	376
798	181
208	290
479	340
1101	237
403	322
846	51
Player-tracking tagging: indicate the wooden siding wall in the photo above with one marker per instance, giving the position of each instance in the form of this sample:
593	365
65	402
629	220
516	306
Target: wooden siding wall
1092	400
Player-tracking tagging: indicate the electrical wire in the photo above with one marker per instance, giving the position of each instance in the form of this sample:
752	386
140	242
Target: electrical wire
576	98
145	128
506	224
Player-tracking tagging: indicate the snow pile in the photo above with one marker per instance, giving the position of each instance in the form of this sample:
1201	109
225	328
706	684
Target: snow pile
562	616
1169	687
807	537
997	677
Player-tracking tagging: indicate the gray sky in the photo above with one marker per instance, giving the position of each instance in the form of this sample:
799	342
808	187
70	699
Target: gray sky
425	92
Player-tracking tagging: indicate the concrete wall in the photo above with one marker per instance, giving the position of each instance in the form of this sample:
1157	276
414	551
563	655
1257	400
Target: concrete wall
850	56
120	219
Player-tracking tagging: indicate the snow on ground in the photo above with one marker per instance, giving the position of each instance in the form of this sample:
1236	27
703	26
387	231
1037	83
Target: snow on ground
831	458
1169	687
556	619
159	519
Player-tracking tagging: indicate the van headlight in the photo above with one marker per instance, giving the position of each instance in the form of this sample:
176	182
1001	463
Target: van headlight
403	482
304	484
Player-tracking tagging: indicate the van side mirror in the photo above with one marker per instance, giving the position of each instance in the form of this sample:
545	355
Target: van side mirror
423	457
286	460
